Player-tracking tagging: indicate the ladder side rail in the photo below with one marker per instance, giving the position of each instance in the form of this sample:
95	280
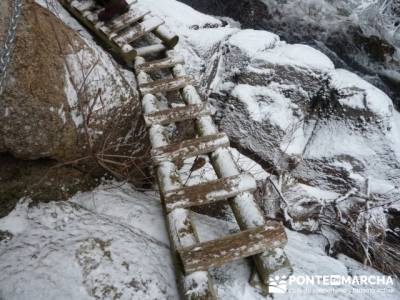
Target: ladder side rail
246	211
180	227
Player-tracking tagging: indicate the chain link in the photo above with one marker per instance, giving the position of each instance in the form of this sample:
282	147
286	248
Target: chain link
6	51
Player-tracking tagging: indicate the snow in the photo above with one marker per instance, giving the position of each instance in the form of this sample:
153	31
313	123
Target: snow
16	222
394	134
205	39
323	144
179	16
253	41
112	241
299	55
319	193
66	251
263	103
372	98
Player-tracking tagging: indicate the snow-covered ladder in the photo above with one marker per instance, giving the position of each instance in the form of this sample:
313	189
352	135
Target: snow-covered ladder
123	31
261	239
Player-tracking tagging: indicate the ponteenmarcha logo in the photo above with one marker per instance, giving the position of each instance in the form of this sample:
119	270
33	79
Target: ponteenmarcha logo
278	284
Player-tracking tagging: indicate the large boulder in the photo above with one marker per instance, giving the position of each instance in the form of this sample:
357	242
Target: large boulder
62	93
289	106
69	112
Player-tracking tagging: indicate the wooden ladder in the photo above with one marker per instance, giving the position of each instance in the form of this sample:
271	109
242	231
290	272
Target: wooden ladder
122	32
259	238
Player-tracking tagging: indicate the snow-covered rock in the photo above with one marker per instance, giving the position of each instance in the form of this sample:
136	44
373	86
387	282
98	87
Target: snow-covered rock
360	35
284	104
290	108
111	243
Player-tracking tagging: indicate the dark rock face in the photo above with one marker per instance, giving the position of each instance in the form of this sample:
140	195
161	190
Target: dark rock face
325	27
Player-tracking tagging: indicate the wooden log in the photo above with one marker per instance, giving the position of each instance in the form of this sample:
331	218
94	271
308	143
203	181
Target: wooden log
93	16
177	114
127	53
189	148
149	50
202	256
84	5
166	85
209	192
159	64
180	228
132	34
120	23
244	207
169	38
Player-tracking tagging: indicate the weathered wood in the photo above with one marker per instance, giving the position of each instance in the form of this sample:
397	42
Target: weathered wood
169	38
177	114
166	85
244	207
189	148
84	5
152	49
135	14
93	16
132	34
159	64
209	192
127	53
181	231
201	257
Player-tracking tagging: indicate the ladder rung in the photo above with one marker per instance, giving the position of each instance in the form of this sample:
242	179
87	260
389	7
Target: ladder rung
83	6
152	49
124	21
92	15
164	63
166	85
177	114
132	34
189	148
210	192
202	256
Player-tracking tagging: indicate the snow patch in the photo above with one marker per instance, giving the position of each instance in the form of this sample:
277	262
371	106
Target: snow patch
296	55
253	41
372	98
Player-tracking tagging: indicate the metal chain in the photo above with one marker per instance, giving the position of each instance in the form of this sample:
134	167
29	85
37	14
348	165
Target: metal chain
6	51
